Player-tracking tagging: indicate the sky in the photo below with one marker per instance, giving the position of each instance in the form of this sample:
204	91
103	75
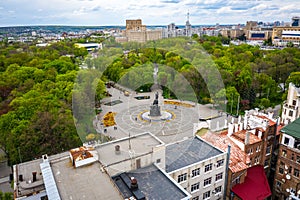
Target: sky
152	12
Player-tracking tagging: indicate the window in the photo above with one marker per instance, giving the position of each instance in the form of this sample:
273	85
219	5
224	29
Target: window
296	172
250	151
219	176
196	172
278	184
236	180
266	164
218	190
208	167
206	195
268	150
298	159
284	153
195	198
207	181
195	187
292	157
258	148
220	163
294	102
291	113
290	169
181	178
256	160
281	168
286	141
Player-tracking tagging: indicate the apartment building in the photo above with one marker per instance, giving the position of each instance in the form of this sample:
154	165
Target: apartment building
252	143
198	167
137	168
291	107
287	176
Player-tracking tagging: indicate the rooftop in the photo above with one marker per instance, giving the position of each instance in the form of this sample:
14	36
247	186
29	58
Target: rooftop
241	136
85	182
187	152
137	145
255	186
152	184
292	129
238	158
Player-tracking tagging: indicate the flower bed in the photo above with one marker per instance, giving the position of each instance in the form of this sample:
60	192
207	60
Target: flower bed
109	119
177	103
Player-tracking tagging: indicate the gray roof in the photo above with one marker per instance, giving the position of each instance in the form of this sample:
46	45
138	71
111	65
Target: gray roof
187	152
152	183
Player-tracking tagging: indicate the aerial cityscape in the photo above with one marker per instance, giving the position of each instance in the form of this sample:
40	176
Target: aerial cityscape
147	100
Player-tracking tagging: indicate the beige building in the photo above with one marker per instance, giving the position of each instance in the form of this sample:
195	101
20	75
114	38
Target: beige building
137	32
282	35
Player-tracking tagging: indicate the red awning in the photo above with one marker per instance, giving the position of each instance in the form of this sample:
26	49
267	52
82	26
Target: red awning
255	187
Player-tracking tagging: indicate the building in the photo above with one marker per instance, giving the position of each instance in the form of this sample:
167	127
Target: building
137	32
149	182
283	35
137	167
198	167
252	143
287	176
89	46
291	107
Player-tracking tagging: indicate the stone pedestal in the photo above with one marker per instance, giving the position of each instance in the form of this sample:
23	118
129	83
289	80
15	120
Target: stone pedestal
154	111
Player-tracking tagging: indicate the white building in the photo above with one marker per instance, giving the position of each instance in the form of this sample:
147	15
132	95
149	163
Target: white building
291	107
198	167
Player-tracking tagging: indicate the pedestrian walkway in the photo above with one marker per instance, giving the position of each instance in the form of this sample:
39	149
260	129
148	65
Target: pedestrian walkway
129	122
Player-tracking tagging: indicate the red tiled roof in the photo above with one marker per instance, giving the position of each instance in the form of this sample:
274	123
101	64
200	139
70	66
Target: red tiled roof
255	186
238	158
271	122
241	135
279	127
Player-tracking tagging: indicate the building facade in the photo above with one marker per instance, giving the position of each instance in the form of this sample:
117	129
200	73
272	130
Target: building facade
291	107
287	176
198	167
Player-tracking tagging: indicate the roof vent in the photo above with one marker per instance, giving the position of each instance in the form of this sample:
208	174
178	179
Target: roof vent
117	149
133	183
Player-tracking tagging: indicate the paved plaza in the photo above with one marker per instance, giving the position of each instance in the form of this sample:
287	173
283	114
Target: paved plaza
129	121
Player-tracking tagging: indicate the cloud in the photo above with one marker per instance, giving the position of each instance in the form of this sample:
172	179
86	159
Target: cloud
170	1
151	12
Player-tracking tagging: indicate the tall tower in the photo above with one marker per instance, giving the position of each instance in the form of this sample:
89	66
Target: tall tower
188	26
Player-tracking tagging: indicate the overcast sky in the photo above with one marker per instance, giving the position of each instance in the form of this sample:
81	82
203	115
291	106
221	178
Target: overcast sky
152	12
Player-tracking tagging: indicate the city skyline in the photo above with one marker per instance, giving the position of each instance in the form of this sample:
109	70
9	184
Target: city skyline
156	12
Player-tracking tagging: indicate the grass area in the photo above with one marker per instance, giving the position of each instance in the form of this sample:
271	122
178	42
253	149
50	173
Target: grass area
202	131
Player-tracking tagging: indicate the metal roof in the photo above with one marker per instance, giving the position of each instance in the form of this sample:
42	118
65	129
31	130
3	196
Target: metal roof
187	152
292	129
49	181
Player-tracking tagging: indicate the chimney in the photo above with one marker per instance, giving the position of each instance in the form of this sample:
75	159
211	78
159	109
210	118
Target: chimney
230	129
33	176
117	149
245	121
20	177
133	183
247	138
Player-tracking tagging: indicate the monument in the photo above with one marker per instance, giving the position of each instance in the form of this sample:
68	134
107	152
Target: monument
155	108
